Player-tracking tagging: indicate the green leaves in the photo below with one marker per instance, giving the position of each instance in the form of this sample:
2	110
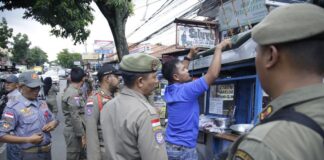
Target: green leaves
70	18
36	57
5	33
23	55
66	59
20	48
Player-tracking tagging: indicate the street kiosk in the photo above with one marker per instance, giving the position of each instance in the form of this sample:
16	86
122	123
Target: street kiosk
236	97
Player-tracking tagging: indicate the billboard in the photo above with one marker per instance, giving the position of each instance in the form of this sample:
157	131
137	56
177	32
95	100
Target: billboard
195	36
104	46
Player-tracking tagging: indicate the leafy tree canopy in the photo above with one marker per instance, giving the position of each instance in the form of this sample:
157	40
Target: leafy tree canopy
5	33
70	18
20	48
36	57
66	59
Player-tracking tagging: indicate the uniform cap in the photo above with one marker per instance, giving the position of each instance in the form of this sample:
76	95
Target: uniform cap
107	69
30	79
289	23
12	79
140	63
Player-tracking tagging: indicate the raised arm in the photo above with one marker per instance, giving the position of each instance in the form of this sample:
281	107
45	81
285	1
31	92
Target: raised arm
214	68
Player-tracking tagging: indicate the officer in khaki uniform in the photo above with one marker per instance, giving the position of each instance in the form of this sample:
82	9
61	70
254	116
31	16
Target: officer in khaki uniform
289	63
131	127
73	110
109	83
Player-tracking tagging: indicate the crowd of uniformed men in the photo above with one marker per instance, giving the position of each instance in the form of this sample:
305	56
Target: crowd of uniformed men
122	124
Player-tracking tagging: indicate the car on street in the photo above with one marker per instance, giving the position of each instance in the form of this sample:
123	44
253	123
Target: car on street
53	74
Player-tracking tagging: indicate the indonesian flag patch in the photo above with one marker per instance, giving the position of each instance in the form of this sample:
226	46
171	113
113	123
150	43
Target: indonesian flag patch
9	115
156	125
90	103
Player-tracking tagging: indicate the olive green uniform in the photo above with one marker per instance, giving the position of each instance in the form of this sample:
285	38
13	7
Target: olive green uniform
287	140
73	111
95	145
132	129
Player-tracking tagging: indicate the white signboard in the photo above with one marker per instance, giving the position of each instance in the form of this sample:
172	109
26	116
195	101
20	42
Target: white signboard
216	106
236	13
193	36
77	63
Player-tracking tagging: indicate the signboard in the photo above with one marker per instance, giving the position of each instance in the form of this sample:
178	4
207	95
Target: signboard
283	2
237	13
141	49
104	46
189	36
77	63
90	56
103	51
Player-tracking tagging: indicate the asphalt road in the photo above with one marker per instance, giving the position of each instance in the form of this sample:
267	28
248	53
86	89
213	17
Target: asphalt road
58	142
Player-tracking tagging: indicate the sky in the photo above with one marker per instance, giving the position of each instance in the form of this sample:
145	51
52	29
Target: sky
40	36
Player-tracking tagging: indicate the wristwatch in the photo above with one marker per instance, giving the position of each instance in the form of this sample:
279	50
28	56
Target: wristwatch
187	58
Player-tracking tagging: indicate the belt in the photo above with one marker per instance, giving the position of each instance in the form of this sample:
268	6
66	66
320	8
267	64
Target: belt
41	149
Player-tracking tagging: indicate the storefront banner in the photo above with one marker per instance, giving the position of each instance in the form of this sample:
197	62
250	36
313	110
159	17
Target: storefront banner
195	36
237	13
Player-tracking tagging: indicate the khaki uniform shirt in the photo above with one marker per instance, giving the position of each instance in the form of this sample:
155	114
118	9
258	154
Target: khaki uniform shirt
286	140
73	111
132	128
93	127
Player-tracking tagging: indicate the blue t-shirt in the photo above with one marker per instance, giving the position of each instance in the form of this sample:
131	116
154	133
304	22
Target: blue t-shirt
183	111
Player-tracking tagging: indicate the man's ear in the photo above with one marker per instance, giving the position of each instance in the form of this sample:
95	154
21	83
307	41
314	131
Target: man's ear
139	82
272	56
175	77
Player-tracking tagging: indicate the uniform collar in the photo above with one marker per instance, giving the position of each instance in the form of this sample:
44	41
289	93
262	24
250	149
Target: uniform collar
27	102
103	92
14	92
295	96
133	93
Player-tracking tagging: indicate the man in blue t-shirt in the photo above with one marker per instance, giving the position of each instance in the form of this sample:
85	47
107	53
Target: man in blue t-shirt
181	96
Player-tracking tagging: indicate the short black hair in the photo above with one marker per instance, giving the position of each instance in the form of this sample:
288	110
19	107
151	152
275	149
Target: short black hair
77	74
129	78
307	54
168	68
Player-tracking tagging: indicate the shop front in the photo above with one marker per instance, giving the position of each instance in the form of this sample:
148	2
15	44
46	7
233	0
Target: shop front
235	98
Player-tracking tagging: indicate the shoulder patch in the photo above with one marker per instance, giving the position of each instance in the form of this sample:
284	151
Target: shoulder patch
74	101
4	126
159	137
89	111
156	125
89	102
242	155
9	115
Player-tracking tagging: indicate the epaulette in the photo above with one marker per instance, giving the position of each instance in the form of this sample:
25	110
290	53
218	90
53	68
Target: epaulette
11	104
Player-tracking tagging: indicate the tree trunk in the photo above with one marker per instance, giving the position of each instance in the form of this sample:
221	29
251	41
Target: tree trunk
116	18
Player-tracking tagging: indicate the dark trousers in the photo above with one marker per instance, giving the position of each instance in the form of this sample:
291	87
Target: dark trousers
36	156
13	152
